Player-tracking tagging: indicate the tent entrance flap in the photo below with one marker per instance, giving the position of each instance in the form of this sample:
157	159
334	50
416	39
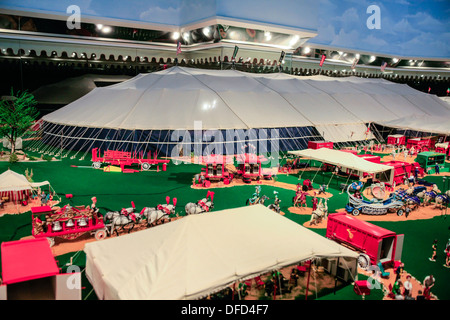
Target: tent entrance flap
344	132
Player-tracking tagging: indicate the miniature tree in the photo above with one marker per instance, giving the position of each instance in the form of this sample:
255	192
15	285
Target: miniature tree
17	113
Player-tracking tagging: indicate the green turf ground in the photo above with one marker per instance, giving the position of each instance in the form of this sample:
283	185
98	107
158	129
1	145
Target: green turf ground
116	190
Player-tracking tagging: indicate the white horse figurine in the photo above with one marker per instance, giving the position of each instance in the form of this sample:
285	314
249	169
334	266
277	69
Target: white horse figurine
158	214
121	219
203	205
320	213
441	200
430	195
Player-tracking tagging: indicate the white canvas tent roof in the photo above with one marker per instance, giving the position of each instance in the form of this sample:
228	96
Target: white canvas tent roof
343	159
424	123
228	99
200	254
12	181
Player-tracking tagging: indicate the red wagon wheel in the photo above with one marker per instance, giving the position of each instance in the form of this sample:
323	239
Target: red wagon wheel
226	181
207	183
100	234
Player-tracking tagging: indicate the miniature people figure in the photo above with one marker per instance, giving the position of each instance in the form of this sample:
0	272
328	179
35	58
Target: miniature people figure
43	198
416	173
420	295
303	199
397	290
434	246
322	189
314	202
428	283
447	259
399	271
436	168
405	153
407	287
412	151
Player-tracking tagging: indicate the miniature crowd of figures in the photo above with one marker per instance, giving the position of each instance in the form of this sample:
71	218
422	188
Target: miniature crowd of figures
402	150
275	284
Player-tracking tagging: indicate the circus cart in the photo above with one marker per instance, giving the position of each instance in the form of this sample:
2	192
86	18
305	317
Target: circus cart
215	170
249	167
66	223
420	145
121	158
376	245
396	140
376	206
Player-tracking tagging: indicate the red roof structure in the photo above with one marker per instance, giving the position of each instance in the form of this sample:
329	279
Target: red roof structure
26	260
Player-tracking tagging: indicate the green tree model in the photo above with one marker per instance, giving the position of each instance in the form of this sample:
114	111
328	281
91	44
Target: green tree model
17	113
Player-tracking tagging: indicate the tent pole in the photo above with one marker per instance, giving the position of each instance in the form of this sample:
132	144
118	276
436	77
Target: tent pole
234	288
307	283
274	290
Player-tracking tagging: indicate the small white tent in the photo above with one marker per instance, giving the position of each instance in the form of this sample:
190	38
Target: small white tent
346	160
201	254
13	185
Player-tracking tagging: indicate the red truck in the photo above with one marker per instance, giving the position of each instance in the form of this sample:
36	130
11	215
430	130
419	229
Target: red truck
374	243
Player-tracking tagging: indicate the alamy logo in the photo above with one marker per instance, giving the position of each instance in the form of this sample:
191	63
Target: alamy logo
374	21
372	281
74	20
74	281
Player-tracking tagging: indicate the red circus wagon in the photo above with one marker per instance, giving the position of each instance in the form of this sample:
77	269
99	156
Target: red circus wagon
249	167
215	169
396	140
123	158
375	244
420	145
66	223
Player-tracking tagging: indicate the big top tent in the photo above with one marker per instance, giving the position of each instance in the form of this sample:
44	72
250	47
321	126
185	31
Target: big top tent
146	110
197	255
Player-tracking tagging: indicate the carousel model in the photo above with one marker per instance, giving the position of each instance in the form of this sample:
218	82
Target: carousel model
356	203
